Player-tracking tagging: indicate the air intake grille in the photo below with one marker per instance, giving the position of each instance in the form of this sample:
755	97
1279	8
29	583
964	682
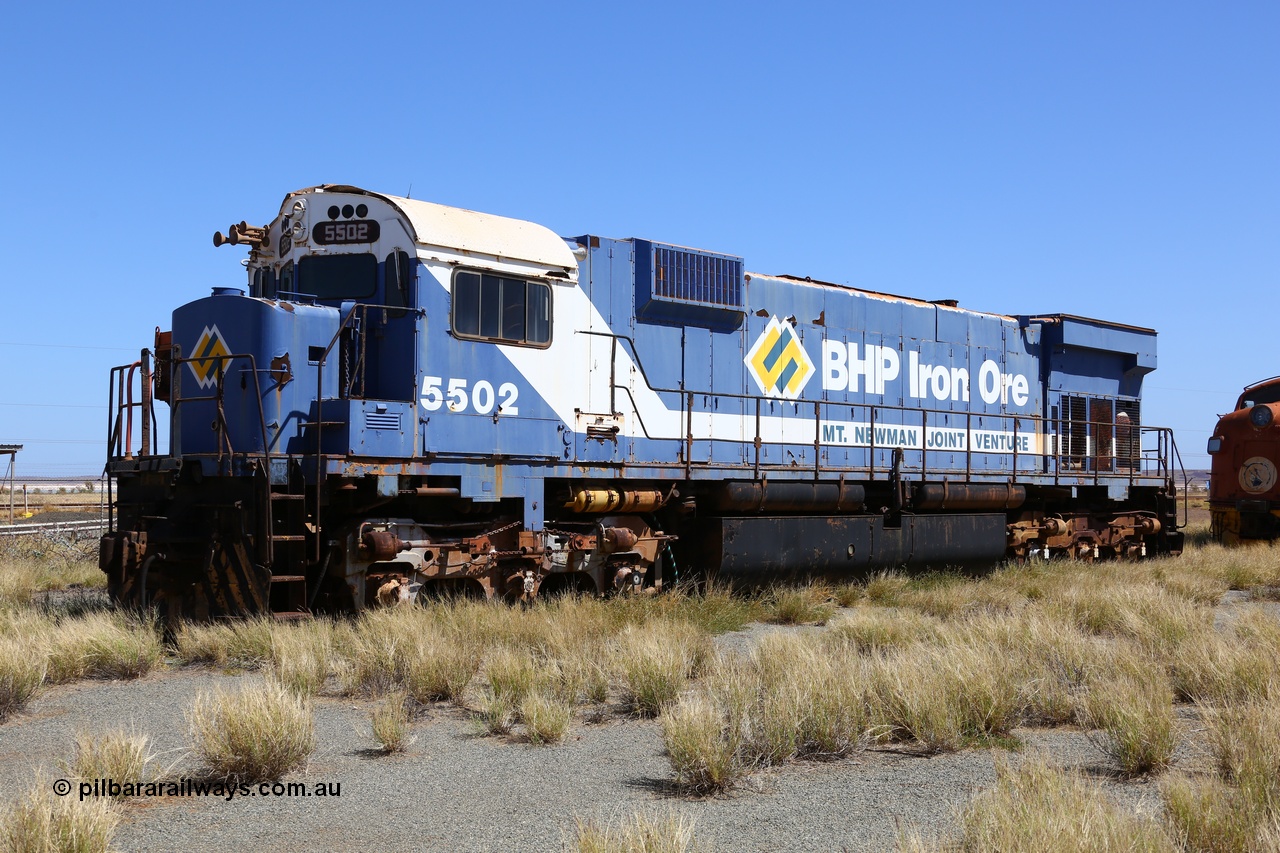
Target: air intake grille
382	420
1073	433
1128	434
697	277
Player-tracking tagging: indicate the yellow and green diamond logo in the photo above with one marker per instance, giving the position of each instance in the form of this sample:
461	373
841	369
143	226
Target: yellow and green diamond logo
210	351
777	361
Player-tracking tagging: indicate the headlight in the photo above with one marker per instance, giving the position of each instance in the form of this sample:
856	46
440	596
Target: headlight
1261	415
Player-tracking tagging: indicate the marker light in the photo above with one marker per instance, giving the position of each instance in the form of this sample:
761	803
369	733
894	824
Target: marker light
1261	415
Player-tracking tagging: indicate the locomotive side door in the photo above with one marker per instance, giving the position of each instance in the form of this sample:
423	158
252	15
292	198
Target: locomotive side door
390	331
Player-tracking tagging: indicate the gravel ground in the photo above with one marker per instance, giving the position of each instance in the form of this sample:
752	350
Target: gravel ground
455	790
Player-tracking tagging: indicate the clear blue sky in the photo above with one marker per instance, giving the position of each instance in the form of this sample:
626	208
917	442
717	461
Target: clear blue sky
1116	160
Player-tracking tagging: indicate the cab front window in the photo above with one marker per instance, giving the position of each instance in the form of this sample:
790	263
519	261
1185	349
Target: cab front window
1265	394
338	276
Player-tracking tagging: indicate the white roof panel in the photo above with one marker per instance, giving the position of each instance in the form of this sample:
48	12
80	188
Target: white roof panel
485	234
469	232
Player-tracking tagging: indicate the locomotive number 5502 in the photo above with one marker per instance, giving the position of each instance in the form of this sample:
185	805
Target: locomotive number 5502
355	231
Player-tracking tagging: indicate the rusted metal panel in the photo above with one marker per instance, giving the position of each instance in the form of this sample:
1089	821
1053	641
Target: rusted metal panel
767	548
786	496
954	496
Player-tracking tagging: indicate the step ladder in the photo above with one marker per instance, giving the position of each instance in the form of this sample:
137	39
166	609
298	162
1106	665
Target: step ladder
290	544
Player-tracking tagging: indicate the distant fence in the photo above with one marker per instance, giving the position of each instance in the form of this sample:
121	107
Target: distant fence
74	528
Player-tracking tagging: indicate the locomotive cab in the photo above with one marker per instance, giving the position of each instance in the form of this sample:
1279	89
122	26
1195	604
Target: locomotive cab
1244	495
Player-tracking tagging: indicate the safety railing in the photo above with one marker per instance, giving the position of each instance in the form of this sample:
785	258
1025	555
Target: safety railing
1135	452
122	406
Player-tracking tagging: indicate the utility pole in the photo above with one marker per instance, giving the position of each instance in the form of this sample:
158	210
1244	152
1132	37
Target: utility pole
11	450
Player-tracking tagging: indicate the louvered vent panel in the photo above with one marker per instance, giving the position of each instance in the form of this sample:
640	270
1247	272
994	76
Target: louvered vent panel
382	420
697	277
1128	439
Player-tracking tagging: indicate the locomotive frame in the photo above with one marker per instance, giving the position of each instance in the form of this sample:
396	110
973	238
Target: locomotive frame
417	398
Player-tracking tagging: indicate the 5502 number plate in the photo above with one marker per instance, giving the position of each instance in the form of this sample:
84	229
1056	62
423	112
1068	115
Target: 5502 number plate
338	233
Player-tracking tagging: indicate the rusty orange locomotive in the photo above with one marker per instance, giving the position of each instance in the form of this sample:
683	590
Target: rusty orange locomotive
1244	494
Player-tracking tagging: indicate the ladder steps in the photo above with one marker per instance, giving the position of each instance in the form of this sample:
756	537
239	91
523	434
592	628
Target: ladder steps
289	538
283	615
288	578
281	496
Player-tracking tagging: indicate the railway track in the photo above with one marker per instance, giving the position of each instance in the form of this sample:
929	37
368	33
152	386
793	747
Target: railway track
54	527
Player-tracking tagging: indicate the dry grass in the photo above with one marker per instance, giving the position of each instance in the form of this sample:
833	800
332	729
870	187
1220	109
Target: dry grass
407	648
769	716
118	755
1158	620
1038	807
511	674
940	695
836	716
438	666
948	595
714	608
885	588
791	698
390	722
656	660
246	643
848	594
641	833
871	629
1239	809
546	718
797	699
371	648
103	645
21	674
300	655
1134	712
1058	660
496	715
257	733
42	822
1245	740
800	605
910	706
1236	568
586	675
1209	816
940	661
1237	665
35	564
704	744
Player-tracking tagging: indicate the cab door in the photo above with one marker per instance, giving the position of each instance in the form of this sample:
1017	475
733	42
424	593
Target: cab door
390	331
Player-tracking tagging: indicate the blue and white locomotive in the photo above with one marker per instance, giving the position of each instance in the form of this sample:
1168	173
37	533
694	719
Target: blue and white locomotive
413	397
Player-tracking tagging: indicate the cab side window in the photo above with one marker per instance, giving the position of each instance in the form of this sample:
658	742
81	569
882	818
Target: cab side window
505	310
286	279
264	282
